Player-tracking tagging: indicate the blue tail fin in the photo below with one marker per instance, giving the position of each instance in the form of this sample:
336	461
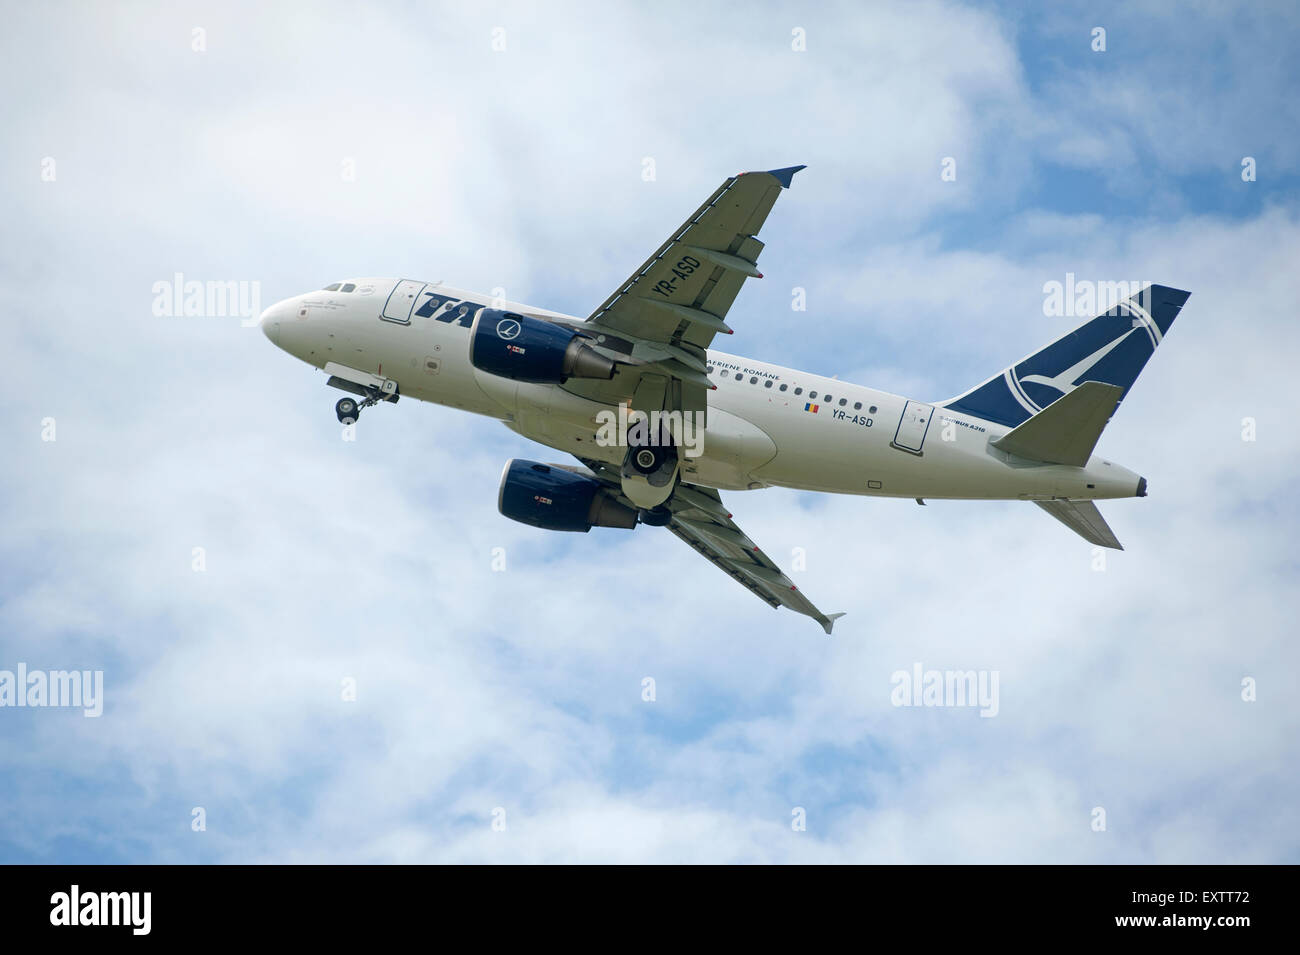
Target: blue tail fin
1111	348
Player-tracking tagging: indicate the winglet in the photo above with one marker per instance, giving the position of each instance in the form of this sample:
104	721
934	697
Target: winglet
829	619
783	176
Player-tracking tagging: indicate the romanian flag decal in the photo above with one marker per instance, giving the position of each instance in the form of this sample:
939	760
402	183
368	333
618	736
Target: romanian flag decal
811	407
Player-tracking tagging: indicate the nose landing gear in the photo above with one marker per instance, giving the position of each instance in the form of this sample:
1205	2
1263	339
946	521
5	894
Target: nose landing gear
349	410
371	389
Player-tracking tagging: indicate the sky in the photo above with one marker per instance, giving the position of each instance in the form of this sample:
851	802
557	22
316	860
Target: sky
318	650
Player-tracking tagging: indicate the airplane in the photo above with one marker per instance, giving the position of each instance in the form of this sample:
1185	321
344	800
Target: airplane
659	422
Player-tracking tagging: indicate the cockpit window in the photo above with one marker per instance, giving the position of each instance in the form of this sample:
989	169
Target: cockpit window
332	288
350	287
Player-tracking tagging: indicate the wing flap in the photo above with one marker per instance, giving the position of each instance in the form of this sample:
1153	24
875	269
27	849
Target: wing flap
700	519
700	269
678	300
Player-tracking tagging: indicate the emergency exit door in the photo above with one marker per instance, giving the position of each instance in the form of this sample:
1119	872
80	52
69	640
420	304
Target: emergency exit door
912	426
399	304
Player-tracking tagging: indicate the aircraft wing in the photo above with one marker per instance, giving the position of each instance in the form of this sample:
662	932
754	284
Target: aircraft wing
670	308
701	519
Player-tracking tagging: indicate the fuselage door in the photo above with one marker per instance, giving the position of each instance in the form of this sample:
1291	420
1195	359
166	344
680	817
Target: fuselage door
401	301
912	427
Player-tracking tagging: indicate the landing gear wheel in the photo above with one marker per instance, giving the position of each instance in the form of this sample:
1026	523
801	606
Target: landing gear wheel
347	411
647	460
659	516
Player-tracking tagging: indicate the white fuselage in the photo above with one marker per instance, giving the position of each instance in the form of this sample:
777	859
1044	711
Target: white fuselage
760	431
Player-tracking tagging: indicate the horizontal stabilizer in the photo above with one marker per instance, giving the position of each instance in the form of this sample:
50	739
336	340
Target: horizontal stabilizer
1084	519
1066	431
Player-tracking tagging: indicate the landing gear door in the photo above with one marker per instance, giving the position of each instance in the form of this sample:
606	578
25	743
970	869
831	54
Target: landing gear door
913	426
401	301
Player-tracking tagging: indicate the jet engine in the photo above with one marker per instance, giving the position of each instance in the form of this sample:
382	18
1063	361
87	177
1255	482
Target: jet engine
557	499
530	349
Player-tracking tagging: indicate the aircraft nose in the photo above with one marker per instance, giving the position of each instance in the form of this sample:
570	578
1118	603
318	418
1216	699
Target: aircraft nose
270	322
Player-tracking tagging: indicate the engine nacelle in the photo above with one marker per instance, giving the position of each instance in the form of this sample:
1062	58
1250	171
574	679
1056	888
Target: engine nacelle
529	349
555	499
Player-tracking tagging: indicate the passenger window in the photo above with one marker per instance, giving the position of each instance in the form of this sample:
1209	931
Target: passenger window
783	387
768	383
753	381
812	394
826	398
872	409
798	391
857	406
843	402
739	376
350	287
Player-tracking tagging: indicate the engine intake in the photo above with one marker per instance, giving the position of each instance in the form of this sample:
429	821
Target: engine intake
556	499
529	349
